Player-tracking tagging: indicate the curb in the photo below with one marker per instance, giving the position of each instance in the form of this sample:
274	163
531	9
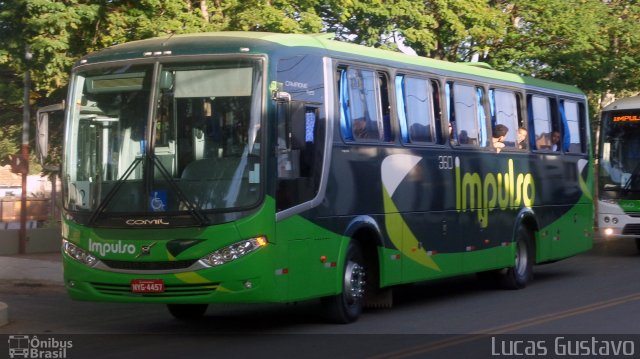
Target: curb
4	314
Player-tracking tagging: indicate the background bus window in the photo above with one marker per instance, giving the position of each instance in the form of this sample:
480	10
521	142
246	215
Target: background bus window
415	110
573	138
504	111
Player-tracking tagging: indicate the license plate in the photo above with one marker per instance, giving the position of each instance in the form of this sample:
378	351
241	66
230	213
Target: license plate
147	286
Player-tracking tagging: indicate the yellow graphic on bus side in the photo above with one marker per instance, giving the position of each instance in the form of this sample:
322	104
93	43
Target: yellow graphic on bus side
393	170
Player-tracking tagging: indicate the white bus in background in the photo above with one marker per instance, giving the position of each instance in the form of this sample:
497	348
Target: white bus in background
619	170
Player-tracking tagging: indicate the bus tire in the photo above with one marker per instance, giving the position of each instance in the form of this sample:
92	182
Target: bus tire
638	244
518	276
187	311
346	306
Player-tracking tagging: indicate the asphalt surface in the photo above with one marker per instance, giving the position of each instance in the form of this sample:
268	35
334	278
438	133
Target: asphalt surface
29	269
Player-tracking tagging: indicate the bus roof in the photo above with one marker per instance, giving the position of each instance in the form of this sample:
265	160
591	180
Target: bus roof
627	103
264	42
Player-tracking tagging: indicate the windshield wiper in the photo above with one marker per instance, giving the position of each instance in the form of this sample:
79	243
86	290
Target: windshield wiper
194	210
112	192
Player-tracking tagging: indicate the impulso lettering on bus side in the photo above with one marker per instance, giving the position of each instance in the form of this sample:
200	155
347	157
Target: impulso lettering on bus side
496	190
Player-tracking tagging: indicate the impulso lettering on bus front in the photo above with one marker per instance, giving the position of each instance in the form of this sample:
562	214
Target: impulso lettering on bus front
484	192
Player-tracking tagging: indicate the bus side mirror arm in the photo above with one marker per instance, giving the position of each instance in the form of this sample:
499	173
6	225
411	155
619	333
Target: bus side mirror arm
281	96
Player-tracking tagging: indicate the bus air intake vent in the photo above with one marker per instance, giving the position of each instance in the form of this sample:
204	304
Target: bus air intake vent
631	229
165	265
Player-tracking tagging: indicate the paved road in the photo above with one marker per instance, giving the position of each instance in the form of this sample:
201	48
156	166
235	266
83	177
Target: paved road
595	293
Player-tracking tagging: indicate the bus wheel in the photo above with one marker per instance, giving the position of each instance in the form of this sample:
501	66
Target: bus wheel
346	307
638	244
519	275
187	311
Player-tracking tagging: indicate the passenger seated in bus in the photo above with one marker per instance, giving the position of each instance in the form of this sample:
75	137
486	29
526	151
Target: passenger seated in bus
451	133
498	136
419	133
543	142
555	141
522	138
361	130
463	137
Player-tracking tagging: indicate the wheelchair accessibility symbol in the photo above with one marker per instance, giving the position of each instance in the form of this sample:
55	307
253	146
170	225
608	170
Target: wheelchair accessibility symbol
158	202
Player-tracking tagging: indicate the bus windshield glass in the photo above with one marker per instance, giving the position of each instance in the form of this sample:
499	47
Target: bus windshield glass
620	153
168	138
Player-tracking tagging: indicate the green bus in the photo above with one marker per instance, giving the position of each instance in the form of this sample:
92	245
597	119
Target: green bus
240	167
619	170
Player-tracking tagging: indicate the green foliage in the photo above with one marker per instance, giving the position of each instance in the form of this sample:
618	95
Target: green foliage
593	44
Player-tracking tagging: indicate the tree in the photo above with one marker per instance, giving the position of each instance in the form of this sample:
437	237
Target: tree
592	44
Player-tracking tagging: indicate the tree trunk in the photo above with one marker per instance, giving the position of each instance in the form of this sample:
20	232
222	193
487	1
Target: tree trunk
204	8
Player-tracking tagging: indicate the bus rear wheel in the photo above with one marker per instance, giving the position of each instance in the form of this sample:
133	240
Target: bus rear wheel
347	306
521	273
187	311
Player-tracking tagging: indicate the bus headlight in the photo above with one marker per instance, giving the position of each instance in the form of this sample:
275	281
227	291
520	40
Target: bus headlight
234	251
78	254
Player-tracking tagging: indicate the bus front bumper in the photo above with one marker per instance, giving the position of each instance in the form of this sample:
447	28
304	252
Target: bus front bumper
241	282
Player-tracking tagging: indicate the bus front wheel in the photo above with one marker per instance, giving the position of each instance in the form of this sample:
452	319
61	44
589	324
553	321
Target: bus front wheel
346	307
521	273
187	311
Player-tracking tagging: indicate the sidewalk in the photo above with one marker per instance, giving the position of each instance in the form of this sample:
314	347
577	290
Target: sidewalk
43	268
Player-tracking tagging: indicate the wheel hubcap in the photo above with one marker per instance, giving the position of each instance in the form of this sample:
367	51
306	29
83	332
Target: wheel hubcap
521	259
354	282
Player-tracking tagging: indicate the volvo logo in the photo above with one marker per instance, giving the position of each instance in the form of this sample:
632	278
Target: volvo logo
146	222
146	250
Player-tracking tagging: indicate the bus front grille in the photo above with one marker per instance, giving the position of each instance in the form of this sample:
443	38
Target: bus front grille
165	265
631	229
173	290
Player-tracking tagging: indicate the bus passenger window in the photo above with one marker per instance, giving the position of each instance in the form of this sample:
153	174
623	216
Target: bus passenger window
465	106
364	105
571	118
541	119
504	111
415	110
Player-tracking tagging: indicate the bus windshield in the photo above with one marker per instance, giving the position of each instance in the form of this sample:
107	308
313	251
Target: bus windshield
620	153
166	138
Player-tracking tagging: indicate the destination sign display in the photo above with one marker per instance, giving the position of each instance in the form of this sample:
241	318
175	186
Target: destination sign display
626	118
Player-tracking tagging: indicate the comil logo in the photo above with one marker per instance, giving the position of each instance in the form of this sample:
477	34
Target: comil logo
146	222
24	346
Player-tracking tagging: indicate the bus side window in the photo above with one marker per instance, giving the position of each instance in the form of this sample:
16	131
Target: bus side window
437	111
542	112
504	111
465	101
573	120
415	110
364	105
300	165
